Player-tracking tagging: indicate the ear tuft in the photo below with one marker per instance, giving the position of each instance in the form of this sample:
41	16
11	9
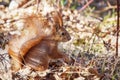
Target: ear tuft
57	18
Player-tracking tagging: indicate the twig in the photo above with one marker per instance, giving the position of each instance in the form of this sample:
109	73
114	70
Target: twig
28	3
105	9
38	2
109	6
86	5
117	38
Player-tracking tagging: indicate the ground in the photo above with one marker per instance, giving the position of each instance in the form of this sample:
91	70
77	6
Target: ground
93	31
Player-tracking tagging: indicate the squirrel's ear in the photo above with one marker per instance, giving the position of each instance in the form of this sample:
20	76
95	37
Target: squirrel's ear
57	18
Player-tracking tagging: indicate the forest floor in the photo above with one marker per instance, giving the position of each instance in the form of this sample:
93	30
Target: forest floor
92	45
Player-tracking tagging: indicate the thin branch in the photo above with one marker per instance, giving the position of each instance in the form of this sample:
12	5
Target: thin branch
86	5
117	38
105	9
28	3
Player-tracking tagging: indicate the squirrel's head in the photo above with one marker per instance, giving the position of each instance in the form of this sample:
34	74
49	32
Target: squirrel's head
59	32
62	34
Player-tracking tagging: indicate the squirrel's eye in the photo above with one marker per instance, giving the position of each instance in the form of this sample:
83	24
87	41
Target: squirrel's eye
63	33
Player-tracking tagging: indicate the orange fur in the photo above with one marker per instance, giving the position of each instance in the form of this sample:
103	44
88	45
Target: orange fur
36	28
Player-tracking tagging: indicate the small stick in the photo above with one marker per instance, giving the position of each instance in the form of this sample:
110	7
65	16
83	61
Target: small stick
27	4
86	5
117	38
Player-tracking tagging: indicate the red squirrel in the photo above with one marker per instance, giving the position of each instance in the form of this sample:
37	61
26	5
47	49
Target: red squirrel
35	29
38	56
